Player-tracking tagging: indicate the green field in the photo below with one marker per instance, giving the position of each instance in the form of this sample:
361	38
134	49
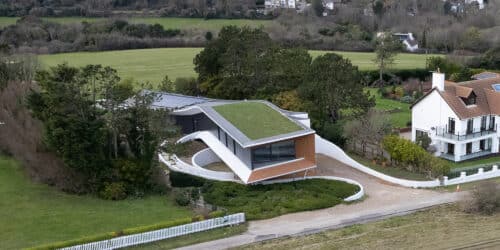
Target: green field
153	64
33	214
166	22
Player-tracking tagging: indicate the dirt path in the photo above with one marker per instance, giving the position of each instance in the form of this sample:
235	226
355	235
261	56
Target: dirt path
382	200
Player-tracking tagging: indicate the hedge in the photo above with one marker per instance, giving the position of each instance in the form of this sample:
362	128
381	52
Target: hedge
128	231
404	74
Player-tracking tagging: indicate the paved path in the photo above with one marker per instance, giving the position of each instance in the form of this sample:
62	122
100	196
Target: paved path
383	200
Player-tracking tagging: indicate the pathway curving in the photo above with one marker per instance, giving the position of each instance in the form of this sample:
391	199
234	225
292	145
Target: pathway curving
383	200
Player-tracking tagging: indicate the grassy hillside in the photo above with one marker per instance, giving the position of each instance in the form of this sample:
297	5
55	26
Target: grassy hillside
33	214
167	22
444	227
153	64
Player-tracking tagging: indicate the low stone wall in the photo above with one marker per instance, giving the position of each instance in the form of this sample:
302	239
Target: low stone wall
480	175
205	157
329	149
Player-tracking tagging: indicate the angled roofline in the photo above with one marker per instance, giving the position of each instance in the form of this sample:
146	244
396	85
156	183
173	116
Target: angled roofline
235	133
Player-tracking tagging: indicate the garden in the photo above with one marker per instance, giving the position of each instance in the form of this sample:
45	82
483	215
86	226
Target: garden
261	201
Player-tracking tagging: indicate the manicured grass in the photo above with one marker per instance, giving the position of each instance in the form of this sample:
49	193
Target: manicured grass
266	201
399	118
35	214
256	120
364	60
389	170
143	65
444	227
153	64
166	22
473	163
195	238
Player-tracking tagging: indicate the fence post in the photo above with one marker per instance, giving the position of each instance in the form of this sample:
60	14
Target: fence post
463	175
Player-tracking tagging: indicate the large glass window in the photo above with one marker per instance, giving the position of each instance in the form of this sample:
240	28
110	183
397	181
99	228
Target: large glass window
273	153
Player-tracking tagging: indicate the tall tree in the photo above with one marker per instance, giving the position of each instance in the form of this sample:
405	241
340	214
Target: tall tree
333	84
386	49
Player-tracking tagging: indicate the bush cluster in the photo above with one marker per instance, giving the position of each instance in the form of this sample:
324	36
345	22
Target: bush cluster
265	201
413	157
485	199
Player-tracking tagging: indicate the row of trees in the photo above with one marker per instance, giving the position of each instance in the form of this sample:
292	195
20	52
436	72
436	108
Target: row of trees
112	147
31	34
244	63
185	8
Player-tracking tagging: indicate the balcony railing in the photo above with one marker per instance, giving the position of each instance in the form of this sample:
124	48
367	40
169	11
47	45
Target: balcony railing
467	156
445	133
475	155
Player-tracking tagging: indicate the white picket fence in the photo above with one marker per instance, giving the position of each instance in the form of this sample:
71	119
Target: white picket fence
162	234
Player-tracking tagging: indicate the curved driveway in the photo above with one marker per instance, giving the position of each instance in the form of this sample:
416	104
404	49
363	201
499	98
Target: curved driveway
382	200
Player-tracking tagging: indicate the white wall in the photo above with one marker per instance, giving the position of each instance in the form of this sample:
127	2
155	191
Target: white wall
430	112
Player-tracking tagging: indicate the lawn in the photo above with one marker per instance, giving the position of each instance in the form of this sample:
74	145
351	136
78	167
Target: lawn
166	22
153	64
256	120
266	201
399	118
364	60
389	170
34	214
444	227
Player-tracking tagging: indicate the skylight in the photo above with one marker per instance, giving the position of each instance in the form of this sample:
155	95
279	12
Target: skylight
496	87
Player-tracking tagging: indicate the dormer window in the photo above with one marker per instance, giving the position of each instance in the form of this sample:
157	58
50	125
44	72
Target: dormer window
471	100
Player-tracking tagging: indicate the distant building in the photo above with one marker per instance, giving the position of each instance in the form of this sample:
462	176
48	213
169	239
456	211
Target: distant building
407	39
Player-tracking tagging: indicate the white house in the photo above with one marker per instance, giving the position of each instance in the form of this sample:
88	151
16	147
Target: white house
408	41
460	118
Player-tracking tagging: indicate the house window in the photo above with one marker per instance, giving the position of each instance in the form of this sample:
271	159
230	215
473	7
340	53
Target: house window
420	133
451	149
273	153
218	133
451	126
468	148
234	147
482	145
470	126
471	100
492	122
483	123
226	139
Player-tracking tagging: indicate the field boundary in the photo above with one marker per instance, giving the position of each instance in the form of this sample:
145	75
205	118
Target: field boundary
162	234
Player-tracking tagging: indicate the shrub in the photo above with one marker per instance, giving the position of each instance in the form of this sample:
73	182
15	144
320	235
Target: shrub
182	198
265	201
413	157
114	191
485	199
407	99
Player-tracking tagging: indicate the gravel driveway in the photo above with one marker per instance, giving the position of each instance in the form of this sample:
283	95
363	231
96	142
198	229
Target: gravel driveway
382	200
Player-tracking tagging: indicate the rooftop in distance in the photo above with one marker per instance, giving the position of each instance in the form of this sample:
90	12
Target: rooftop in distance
256	120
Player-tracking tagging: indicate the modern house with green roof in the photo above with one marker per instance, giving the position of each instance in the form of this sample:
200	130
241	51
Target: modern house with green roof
255	139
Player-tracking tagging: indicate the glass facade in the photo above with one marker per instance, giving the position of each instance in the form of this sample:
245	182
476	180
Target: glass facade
273	153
